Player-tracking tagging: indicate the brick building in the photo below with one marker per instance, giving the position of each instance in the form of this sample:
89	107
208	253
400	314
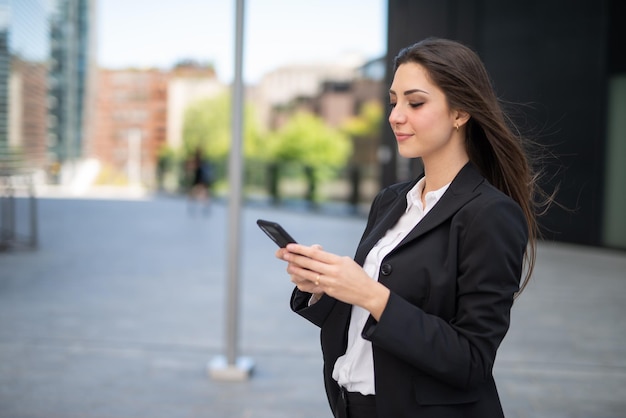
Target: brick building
27	115
130	124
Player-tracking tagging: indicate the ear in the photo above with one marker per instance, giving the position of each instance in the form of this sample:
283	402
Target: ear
461	117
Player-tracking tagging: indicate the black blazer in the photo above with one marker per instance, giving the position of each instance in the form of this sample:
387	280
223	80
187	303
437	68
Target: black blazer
452	282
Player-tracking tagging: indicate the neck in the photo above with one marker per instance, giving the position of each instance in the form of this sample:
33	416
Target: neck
438	175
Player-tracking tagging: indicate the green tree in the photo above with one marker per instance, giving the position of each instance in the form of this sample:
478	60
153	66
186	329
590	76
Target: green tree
307	140
207	125
365	130
367	124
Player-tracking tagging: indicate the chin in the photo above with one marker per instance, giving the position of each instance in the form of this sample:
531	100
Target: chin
408	153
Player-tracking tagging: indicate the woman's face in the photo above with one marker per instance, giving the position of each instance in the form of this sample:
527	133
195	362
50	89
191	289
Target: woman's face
420	117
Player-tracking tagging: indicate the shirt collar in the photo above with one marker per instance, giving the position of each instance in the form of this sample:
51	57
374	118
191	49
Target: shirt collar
413	196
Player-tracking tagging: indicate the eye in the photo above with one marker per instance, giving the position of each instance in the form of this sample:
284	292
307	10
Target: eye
416	105
392	105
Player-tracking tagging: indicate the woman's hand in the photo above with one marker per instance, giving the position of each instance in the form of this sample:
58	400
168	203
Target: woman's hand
303	283
316	271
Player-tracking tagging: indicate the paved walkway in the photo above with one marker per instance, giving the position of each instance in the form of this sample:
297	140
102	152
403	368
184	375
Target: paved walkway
118	312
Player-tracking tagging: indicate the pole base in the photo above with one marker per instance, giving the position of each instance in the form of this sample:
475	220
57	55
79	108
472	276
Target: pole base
219	369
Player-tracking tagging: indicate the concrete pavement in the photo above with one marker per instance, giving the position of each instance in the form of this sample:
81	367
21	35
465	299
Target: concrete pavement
119	311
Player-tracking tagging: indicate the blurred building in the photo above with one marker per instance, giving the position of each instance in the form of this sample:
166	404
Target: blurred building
564	63
188	83
339	100
336	100
24	46
130	124
70	78
294	85
336	94
28	112
139	111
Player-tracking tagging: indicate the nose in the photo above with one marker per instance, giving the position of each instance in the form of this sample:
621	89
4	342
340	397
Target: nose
396	117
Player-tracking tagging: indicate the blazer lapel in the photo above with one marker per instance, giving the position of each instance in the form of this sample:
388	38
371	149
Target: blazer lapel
461	190
389	219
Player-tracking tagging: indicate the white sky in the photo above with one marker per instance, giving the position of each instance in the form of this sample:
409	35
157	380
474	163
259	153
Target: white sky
145	33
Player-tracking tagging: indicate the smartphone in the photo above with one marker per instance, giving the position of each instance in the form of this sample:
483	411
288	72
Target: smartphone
275	232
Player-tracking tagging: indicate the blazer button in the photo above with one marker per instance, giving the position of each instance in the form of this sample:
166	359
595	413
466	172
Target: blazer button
385	269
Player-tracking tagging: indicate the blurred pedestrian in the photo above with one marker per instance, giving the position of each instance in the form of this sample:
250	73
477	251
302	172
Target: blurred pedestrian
411	326
202	179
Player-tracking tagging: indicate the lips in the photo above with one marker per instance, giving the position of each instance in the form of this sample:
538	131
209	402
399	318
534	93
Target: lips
400	136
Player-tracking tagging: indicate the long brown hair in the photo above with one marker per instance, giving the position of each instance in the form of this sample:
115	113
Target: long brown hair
493	143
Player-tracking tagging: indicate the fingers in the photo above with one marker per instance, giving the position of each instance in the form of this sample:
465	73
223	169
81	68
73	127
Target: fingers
305	284
301	276
280	253
301	271
306	265
307	251
314	252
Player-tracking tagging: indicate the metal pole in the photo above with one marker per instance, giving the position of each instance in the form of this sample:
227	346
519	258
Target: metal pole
232	367
235	179
34	230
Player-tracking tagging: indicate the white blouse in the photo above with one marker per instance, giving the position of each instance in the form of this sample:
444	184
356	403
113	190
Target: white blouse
355	369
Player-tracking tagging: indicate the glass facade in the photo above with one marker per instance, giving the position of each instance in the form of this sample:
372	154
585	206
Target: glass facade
69	75
24	46
45	57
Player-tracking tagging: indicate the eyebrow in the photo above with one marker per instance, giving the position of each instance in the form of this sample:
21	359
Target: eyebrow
409	92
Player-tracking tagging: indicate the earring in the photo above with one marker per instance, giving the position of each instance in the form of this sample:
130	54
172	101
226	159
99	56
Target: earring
456	126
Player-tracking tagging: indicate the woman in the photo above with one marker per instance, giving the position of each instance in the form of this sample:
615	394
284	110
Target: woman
411	326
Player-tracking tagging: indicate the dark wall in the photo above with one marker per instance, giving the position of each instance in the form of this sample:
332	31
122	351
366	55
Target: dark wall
617	37
549	65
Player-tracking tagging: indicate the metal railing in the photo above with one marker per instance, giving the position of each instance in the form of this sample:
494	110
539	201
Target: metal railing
18	202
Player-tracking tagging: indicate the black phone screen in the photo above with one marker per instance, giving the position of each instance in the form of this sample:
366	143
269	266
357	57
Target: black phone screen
276	232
